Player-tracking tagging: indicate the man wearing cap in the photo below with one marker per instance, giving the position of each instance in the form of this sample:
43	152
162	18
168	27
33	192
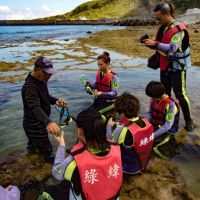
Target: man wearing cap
36	103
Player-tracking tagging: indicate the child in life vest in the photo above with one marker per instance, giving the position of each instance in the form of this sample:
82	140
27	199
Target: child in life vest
133	133
106	85
94	165
163	113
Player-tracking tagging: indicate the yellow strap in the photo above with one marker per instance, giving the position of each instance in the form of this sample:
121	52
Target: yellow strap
162	53
122	135
69	170
124	131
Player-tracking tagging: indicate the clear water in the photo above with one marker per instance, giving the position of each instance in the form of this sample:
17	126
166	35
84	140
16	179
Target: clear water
133	76
16	34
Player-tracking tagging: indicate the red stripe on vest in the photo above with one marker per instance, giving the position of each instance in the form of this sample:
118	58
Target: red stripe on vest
104	84
143	140
99	174
166	39
158	110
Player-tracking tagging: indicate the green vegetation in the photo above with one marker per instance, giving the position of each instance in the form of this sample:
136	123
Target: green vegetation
100	9
116	9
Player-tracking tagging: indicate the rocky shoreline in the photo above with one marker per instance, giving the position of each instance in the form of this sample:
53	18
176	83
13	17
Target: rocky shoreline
126	41
136	21
160	181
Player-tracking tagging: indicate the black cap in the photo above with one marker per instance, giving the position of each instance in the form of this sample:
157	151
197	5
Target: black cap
45	65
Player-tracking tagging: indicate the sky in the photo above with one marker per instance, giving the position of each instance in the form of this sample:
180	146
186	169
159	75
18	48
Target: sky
30	9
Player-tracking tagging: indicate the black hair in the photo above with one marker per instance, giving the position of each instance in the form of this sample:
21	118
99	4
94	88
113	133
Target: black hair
127	104
164	8
155	89
105	57
94	129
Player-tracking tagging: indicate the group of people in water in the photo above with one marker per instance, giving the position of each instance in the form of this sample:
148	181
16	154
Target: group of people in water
113	138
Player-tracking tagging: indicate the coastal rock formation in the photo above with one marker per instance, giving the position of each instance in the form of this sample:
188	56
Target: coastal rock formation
26	172
135	21
132	22
160	181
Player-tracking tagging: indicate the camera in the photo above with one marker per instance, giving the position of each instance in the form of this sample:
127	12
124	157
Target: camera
143	37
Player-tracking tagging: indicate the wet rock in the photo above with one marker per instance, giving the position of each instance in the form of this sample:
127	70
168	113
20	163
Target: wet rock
66	40
160	181
26	172
89	32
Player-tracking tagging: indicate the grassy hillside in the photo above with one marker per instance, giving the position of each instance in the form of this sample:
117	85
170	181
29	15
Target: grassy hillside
116	9
99	9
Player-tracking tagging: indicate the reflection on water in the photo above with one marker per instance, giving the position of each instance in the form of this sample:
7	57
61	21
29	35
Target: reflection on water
67	84
188	161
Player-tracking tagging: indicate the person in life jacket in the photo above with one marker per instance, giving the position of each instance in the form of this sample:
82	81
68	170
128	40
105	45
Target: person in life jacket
106	85
94	166
164	112
133	133
173	54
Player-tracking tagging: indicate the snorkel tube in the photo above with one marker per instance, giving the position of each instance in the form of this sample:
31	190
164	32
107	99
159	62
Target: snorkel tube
86	85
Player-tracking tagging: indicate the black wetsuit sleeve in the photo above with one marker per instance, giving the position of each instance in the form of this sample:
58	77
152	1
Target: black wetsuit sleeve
52	100
34	107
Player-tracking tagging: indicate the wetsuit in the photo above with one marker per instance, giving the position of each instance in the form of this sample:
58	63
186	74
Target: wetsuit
175	77
36	102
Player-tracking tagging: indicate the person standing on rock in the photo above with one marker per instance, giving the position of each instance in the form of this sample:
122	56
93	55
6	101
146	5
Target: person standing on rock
36	104
173	56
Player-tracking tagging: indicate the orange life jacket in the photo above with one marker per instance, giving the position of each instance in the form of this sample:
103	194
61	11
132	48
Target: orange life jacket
166	38
143	141
159	113
104	83
101	176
